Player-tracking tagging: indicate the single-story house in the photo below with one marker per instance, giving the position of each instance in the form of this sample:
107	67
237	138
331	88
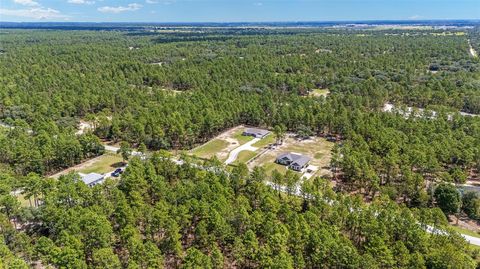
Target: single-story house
92	179
293	160
255	132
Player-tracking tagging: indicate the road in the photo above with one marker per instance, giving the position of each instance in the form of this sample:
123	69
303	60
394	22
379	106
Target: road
473	52
247	146
410	110
297	191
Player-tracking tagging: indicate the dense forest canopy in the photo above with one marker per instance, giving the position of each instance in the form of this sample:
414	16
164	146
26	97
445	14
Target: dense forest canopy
177	88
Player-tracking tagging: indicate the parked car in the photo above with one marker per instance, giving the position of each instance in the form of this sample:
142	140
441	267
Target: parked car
117	172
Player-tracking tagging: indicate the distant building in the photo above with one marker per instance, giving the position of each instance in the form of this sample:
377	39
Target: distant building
92	179
257	133
295	161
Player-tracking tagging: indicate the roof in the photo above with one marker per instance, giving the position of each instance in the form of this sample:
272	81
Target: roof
91	178
295	158
256	131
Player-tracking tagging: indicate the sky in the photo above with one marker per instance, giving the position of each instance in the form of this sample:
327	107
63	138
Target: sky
234	10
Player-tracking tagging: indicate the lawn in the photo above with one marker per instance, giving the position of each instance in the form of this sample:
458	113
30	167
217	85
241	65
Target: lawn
270	167
210	148
242	139
269	139
464	231
244	156
103	164
319	149
319	92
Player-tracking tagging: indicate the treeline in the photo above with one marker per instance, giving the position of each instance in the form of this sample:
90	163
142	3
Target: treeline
164	215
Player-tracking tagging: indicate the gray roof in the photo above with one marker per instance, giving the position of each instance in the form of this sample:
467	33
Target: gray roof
256	131
297	159
91	178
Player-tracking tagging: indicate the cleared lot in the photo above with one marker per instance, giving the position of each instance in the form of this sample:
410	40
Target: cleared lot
101	165
319	92
317	148
222	145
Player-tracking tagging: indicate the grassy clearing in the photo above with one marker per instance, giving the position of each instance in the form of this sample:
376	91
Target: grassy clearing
319	149
320	92
242	139
464	231
270	167
269	139
244	156
210	148
24	202
103	164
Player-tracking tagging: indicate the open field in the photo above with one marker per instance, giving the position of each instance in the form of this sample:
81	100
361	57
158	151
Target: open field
221	145
319	92
317	148
269	139
101	164
244	156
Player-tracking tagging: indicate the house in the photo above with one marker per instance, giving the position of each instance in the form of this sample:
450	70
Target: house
92	179
257	133
293	160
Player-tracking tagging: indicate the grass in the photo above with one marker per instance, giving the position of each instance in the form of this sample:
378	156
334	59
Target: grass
103	164
210	148
319	92
244	156
317	148
270	167
464	231
269	139
242	139
24	202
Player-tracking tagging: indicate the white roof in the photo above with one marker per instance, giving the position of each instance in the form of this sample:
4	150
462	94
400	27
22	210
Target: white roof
91	178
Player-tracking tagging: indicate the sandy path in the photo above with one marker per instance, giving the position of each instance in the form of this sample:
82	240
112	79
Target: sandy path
473	52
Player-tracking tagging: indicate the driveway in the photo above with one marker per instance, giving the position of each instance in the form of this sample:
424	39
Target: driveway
247	146
308	175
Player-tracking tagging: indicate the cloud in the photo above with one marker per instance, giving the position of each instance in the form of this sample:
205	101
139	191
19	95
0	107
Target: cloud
129	7
39	13
414	17
81	2
165	2
29	3
258	4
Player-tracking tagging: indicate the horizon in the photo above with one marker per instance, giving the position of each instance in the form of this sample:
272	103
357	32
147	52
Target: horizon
224	11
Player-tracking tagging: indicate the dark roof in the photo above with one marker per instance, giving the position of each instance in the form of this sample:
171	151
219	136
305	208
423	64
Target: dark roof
256	131
295	158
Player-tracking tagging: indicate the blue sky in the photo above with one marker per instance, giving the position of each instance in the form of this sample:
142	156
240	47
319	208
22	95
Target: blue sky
235	10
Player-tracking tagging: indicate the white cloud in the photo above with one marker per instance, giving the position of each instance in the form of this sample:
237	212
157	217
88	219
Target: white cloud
415	17
39	13
258	4
29	3
129	7
81	2
165	2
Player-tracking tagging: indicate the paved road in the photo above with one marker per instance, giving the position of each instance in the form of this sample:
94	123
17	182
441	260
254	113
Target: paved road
247	146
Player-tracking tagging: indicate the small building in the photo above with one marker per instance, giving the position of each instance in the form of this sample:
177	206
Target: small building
92	179
293	160
255	132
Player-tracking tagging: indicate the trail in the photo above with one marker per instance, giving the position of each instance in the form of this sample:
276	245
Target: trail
473	52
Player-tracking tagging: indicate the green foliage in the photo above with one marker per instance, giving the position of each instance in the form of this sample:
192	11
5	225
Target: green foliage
471	204
163	215
448	198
